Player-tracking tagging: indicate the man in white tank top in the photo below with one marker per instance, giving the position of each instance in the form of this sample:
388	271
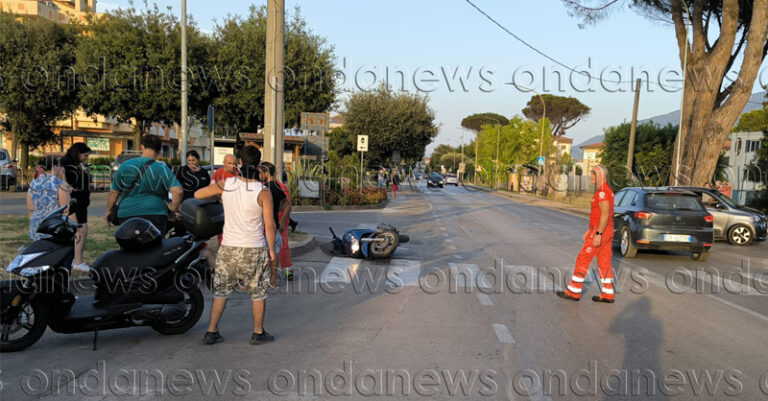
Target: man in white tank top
247	252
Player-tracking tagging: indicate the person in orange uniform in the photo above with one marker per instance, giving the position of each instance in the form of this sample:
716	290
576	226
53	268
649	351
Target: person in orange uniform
597	242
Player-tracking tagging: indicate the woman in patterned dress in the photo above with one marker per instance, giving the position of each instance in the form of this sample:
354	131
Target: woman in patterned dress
46	193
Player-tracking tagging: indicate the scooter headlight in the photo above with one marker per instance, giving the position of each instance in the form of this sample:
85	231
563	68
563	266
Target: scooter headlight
354	245
31	271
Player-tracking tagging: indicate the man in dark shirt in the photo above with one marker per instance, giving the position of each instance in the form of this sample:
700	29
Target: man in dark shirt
279	200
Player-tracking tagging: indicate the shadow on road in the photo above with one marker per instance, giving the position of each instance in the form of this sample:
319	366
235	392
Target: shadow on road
641	368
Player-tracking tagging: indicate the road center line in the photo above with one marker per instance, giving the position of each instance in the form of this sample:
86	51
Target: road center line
484	299
502	332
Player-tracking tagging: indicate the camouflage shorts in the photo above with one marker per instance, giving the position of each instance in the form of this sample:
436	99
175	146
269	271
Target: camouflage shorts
248	265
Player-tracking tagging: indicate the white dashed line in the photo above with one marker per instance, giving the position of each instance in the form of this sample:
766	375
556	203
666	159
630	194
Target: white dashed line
458	257
502	332
453	248
484	299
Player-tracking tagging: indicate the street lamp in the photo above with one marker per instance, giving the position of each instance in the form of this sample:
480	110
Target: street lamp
541	138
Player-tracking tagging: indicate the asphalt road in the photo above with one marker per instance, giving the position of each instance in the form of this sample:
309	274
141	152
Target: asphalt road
429	324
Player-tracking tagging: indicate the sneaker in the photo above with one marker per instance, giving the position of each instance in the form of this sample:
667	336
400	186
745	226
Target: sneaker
239	286
212	337
563	295
82	267
601	299
262	338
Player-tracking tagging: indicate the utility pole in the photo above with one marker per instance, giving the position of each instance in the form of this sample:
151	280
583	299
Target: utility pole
679	142
184	122
274	100
632	130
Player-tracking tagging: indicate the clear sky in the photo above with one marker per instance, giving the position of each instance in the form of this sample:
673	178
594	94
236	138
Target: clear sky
433	38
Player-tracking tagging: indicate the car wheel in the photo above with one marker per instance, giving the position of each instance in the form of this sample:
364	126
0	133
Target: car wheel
700	256
740	235
628	248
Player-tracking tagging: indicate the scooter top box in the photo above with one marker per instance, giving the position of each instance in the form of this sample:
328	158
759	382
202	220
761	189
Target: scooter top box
202	218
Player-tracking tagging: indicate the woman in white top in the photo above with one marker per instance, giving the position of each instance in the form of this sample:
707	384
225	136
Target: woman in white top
248	244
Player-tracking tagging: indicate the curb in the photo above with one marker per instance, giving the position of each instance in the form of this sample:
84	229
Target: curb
379	205
303	247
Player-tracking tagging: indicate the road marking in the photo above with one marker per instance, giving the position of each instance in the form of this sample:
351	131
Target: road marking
453	248
739	307
403	273
462	272
484	299
339	270
443	228
502	332
447	235
458	257
449	240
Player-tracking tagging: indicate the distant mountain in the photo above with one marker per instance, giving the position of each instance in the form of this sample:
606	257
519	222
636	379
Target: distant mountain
755	102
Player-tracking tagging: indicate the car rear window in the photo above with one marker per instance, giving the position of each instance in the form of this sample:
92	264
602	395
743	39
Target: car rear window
3	155
673	202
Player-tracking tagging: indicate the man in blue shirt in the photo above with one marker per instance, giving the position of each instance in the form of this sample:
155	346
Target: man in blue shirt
147	198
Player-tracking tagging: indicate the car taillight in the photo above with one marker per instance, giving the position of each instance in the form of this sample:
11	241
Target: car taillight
643	215
709	218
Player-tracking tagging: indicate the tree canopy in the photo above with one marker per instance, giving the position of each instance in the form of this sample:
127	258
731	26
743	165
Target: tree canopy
562	112
652	145
729	36
475	122
754	121
35	78
129	66
238	70
394	122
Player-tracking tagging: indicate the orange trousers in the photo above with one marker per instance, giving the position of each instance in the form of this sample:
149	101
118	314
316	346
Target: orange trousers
584	259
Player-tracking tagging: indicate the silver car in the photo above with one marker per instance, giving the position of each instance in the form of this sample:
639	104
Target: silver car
7	170
734	223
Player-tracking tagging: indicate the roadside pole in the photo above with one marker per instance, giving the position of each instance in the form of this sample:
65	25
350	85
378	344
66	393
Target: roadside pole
184	123
632	131
362	147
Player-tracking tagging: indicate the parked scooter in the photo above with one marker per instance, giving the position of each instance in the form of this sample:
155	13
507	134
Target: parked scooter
150	281
369	243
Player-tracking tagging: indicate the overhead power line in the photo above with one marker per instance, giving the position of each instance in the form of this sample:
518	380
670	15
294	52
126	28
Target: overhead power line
545	55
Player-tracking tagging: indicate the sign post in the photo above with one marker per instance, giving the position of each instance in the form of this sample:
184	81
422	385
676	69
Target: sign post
362	147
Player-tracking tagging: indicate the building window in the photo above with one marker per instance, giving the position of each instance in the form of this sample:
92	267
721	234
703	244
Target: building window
738	146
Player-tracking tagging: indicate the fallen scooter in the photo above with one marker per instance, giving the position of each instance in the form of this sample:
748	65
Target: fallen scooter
150	281
369	243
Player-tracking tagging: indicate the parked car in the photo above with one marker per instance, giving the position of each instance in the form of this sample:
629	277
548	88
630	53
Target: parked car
435	180
7	170
121	158
661	219
452	179
734	223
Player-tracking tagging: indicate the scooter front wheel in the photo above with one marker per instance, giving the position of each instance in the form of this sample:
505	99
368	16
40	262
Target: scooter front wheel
24	329
383	245
193	304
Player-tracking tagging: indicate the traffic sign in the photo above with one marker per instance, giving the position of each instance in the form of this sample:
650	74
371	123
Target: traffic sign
362	143
540	161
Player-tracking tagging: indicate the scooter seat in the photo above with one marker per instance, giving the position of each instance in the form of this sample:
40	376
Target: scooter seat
115	271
